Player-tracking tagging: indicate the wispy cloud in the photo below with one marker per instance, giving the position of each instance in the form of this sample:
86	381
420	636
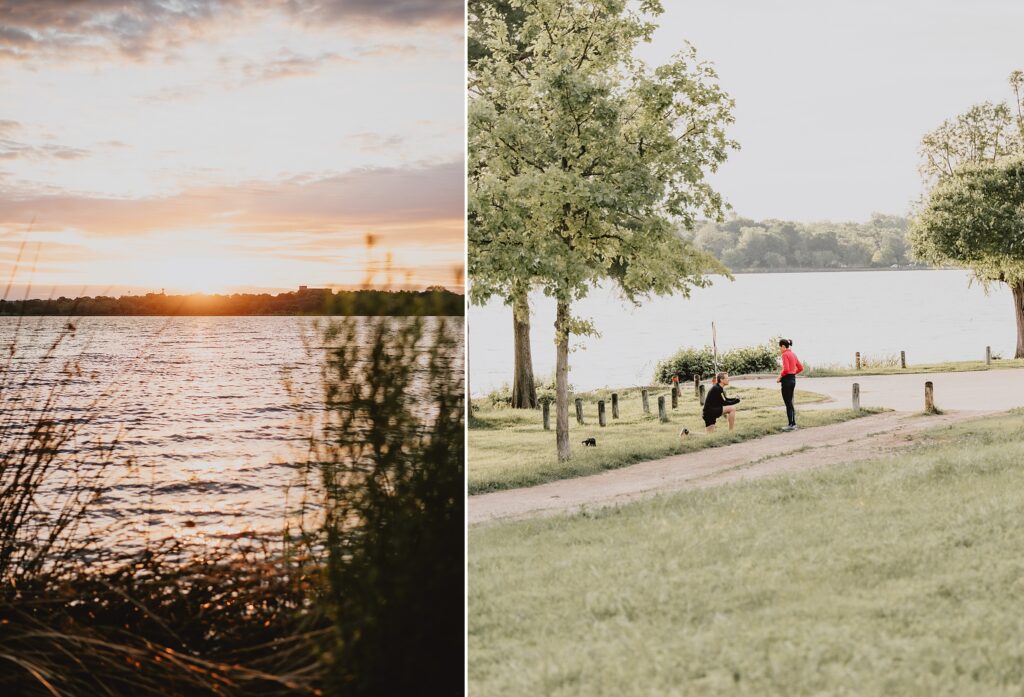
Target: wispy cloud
287	63
387	12
136	30
402	198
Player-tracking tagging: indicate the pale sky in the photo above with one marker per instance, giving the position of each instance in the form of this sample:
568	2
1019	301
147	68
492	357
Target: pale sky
228	145
832	98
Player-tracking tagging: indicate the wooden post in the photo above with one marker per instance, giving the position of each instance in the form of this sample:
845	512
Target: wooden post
929	398
579	411
857	361
546	408
662	414
600	413
675	396
903	359
643	399
988	355
701	397
615	405
696	385
856	396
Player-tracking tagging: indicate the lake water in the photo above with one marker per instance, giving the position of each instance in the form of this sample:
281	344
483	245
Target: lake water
932	315
204	411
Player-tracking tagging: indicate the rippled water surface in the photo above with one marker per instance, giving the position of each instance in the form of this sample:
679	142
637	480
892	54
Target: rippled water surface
202	407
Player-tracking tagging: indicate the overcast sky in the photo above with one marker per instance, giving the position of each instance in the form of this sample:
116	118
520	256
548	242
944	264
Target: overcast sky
231	144
832	98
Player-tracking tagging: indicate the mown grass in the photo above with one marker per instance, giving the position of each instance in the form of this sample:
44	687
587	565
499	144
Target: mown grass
509	448
947	367
896	576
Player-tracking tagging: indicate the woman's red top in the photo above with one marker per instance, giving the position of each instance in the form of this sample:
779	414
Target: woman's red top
791	365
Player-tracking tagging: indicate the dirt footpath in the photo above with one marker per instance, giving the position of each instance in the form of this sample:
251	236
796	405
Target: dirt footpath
805	449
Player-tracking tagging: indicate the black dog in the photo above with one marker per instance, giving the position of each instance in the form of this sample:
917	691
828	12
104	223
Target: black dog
590	442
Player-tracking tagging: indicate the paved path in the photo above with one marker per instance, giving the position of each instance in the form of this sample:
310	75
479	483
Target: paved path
962	395
850	441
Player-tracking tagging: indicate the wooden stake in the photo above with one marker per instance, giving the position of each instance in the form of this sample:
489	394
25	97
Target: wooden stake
662	414
579	411
600	413
643	400
615	405
856	396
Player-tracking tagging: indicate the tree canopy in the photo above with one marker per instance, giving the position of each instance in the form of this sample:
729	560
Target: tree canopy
984	133
975	218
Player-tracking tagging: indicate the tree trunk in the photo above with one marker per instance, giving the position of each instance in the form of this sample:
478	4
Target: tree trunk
1018	308
524	391
562	381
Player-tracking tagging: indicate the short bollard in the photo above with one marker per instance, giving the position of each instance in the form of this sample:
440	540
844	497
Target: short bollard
988	355
644	401
615	405
579	410
929	398
702	395
903	359
546	410
600	413
675	396
662	414
856	396
857	360
696	385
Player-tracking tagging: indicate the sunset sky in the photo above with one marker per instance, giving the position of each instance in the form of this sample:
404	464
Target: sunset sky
230	145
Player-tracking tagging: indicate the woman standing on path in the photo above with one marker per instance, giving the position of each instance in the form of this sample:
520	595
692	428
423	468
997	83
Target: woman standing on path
791	366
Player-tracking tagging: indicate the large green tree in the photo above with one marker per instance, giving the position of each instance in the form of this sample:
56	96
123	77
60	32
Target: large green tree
969	163
584	161
489	277
974	218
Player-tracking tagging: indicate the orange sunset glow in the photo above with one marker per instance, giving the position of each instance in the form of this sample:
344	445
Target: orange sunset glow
229	146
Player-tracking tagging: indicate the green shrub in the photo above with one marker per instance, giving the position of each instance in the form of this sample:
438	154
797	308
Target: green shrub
687	362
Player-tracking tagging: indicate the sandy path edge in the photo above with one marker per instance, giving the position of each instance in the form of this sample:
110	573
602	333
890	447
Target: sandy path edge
805	449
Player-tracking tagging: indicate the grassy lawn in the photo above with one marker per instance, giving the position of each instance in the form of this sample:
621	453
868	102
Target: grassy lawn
950	367
509	447
900	576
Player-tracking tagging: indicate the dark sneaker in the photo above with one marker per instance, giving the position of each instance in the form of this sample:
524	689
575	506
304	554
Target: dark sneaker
789	428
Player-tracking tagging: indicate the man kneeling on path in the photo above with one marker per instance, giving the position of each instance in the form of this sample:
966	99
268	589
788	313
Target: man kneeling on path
716	403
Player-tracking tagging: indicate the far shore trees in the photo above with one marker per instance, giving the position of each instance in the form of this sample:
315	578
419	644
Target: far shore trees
584	161
974	214
974	218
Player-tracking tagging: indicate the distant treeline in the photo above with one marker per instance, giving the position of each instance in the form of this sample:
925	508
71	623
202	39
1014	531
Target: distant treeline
433	301
743	244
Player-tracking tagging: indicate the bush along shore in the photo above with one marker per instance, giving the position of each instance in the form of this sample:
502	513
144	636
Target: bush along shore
364	595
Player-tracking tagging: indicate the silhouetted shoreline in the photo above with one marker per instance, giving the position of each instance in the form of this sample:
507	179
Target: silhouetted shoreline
435	301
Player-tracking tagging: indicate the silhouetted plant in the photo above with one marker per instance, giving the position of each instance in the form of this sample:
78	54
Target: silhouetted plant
389	466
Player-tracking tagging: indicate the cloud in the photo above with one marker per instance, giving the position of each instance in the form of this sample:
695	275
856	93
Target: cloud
14	150
403	200
376	142
135	30
289	64
381	12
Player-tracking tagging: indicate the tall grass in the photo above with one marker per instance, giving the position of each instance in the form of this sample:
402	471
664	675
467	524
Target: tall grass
388	463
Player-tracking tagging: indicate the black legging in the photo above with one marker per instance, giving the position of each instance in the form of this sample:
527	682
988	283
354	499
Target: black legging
788	387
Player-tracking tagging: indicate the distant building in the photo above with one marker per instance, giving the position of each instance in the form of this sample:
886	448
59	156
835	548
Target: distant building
303	290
